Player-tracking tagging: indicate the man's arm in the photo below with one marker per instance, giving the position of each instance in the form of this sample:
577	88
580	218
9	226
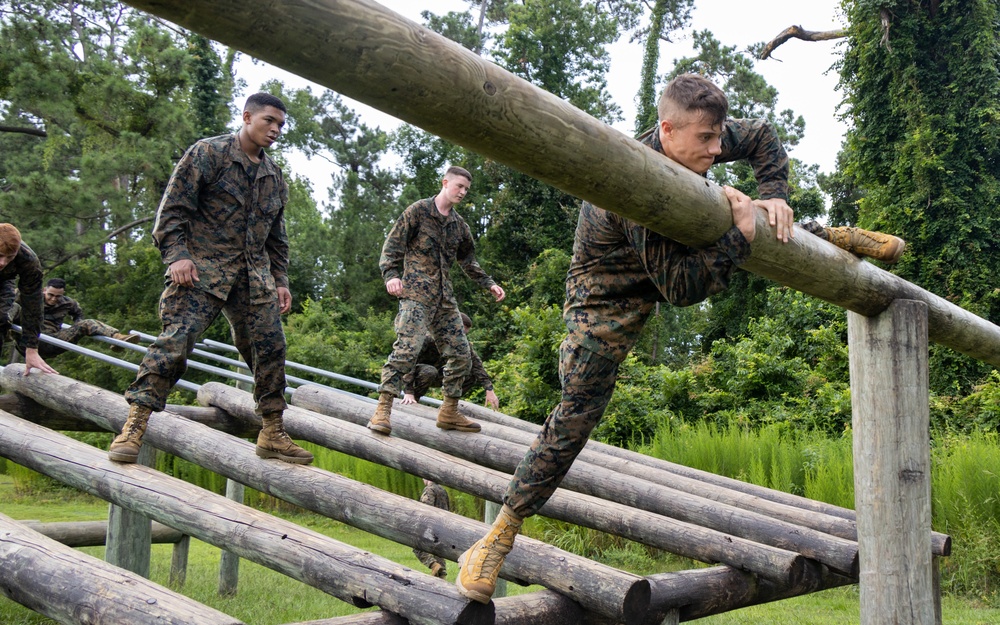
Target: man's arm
180	199
466	257
75	312
478	372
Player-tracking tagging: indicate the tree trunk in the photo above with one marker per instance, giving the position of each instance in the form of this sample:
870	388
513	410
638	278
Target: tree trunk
366	52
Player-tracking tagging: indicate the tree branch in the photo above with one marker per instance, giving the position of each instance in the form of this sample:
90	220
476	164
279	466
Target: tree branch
38	132
797	32
87	250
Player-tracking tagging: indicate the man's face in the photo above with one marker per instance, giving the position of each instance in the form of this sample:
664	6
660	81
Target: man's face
6	259
691	140
263	126
455	188
52	295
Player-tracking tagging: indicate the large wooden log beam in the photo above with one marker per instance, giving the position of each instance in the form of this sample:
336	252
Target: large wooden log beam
94	533
616	594
838	553
686	539
73	587
345	572
369	53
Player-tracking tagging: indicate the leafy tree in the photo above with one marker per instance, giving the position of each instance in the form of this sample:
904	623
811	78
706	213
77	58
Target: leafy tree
922	82
665	17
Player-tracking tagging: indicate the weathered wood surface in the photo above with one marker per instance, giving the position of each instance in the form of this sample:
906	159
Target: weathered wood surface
229	563
72	587
94	533
838	553
30	410
369	53
646	527
129	543
892	464
808	512
600	588
350	574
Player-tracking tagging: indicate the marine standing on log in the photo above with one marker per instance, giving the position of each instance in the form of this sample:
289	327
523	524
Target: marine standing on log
220	229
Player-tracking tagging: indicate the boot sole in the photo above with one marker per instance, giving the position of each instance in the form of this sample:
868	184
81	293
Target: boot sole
267	454
381	429
460	428
115	456
465	592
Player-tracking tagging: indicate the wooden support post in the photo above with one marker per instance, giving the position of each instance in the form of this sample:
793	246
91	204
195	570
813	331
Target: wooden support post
130	534
179	562
889	398
229	563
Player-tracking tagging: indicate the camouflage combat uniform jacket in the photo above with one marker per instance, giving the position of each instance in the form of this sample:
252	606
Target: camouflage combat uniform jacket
57	313
26	269
213	214
621	269
421	248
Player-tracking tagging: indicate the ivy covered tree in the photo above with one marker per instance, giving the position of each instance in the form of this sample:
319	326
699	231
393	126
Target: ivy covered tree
922	83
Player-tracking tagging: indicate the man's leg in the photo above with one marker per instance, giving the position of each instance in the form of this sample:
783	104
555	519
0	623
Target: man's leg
185	313
449	336
411	331
258	336
435	563
425	377
588	381
93	327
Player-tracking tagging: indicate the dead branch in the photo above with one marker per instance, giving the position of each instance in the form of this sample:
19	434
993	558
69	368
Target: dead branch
797	32
25	130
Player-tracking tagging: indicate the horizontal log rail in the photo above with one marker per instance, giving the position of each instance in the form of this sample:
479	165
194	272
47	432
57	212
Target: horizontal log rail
367	52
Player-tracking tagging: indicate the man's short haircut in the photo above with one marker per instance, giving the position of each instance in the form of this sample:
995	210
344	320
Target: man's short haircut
691	92
56	283
466	320
10	240
259	100
455	170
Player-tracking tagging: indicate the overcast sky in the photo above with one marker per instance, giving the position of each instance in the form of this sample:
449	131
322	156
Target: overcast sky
801	73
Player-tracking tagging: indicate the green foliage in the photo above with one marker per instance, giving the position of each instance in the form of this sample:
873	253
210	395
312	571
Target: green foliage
924	149
665	16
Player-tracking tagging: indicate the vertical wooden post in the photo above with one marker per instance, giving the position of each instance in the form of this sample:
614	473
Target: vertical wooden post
490	514
889	398
229	563
179	562
130	535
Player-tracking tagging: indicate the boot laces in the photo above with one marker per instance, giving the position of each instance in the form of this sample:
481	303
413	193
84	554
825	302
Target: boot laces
494	551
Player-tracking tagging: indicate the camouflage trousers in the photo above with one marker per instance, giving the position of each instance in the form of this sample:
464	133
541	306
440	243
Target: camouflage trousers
426	377
72	334
415	322
428	559
588	381
185	314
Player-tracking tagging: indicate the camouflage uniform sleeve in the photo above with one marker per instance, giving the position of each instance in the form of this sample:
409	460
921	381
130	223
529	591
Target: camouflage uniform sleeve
757	141
466	256
277	240
394	248
75	312
479	371
8	295
179	200
29	284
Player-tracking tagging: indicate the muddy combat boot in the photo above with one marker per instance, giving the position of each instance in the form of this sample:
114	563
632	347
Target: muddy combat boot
125	447
380	420
877	245
438	570
449	418
480	565
128	338
273	442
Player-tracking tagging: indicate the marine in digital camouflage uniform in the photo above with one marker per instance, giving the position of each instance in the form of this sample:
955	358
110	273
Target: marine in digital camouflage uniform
21	272
618	272
426	374
220	229
433	495
427	239
57	308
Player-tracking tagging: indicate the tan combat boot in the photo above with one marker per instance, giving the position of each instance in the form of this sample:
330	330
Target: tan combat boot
273	442
449	418
877	245
128	338
438	570
380	420
125	447
480	565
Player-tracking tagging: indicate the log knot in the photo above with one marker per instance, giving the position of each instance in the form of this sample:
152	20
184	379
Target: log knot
489	88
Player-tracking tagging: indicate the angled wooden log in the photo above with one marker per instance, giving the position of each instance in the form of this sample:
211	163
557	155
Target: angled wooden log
73	587
350	574
838	553
367	52
597	587
663	532
94	533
